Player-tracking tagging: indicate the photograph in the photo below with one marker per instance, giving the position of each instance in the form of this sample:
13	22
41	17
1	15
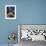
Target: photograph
10	11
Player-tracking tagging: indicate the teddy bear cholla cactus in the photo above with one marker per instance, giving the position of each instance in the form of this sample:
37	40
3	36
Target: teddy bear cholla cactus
12	36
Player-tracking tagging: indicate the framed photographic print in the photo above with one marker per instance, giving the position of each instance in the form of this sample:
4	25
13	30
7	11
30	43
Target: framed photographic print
10	11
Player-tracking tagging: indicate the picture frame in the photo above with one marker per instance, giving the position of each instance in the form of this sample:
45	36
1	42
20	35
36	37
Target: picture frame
10	11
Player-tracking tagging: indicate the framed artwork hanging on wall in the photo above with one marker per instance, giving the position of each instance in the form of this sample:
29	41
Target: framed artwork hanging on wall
10	11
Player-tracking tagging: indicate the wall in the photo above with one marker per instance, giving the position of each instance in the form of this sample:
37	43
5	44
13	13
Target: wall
28	12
